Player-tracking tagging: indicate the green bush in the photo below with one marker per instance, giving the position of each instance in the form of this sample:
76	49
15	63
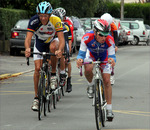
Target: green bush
131	10
8	18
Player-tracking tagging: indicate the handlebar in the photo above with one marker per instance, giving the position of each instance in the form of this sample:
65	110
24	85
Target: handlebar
42	54
93	62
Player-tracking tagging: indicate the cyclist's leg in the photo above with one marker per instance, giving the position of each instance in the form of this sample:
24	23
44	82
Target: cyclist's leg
108	91
89	75
53	47
69	85
37	62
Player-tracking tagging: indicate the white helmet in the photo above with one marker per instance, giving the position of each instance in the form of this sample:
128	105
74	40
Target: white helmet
107	17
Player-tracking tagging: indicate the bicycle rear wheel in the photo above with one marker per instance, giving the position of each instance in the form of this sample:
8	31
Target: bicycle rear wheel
98	111
40	95
50	103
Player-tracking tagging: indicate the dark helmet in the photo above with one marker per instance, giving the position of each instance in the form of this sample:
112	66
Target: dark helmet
102	26
44	8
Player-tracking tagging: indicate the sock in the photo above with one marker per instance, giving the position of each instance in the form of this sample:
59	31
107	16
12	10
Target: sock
109	107
62	71
90	84
53	74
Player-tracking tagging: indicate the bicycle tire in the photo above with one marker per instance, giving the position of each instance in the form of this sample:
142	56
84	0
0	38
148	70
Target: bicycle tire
97	105
54	100
104	101
40	96
50	103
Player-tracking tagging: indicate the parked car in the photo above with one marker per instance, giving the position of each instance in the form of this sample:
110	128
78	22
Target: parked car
18	35
148	31
87	23
125	35
138	28
78	31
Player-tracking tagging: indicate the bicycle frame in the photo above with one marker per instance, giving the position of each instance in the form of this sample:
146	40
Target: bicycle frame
99	91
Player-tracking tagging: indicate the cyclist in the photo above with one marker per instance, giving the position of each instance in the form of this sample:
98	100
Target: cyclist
67	20
70	23
44	25
67	36
94	45
114	33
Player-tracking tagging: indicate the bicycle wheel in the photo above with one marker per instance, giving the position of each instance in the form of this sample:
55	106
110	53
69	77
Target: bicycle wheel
98	111
54	100
40	95
104	104
50	103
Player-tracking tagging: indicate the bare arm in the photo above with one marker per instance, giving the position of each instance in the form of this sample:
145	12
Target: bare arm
70	44
27	43
61	44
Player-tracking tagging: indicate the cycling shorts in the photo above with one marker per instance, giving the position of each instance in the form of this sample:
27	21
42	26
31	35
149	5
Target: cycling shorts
104	67
38	57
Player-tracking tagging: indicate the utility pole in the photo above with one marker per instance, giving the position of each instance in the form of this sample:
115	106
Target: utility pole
122	10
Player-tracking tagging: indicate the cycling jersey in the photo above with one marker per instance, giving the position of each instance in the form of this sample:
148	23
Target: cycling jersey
44	33
67	36
114	32
70	23
96	50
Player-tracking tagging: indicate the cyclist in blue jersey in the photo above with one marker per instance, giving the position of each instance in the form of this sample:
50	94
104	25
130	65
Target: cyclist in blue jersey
44	26
98	44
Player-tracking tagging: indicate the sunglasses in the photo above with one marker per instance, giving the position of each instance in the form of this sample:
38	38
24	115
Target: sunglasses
101	34
45	16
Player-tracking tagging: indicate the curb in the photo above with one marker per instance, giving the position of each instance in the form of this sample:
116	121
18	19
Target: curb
6	76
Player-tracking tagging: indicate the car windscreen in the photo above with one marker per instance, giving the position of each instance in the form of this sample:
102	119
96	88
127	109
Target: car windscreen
22	24
76	23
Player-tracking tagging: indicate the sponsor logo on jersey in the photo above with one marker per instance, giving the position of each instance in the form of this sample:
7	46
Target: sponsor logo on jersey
93	44
49	33
34	21
58	25
86	38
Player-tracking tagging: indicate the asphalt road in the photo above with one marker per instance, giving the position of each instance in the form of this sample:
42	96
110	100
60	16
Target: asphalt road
131	97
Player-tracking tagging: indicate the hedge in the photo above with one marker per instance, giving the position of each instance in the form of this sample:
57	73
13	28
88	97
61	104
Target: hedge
8	18
131	10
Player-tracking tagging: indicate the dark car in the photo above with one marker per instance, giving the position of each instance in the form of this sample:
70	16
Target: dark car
18	35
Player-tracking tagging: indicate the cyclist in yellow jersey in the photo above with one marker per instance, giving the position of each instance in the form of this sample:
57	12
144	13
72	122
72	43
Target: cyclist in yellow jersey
45	26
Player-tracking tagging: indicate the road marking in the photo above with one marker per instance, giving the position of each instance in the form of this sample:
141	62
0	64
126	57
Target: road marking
126	129
139	113
15	92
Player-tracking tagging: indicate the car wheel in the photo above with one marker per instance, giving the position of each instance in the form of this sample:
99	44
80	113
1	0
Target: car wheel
135	41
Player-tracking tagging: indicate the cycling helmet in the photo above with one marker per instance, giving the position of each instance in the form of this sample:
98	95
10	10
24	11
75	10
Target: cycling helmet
57	13
44	8
62	11
107	17
102	27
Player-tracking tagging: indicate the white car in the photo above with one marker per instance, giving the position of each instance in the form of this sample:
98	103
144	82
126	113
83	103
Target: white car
78	31
139	30
148	31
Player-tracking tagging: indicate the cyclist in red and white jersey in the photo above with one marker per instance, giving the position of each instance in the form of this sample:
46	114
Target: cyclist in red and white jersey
70	23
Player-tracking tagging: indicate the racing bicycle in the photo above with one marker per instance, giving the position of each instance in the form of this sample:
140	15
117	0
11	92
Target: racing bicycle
99	101
46	96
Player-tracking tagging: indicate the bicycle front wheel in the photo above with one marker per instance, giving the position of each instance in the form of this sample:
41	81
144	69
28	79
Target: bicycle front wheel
97	105
40	95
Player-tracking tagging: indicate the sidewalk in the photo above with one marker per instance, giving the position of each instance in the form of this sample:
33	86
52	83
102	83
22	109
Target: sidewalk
9	75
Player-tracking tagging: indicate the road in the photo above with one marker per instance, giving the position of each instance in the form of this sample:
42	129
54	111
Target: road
131	97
